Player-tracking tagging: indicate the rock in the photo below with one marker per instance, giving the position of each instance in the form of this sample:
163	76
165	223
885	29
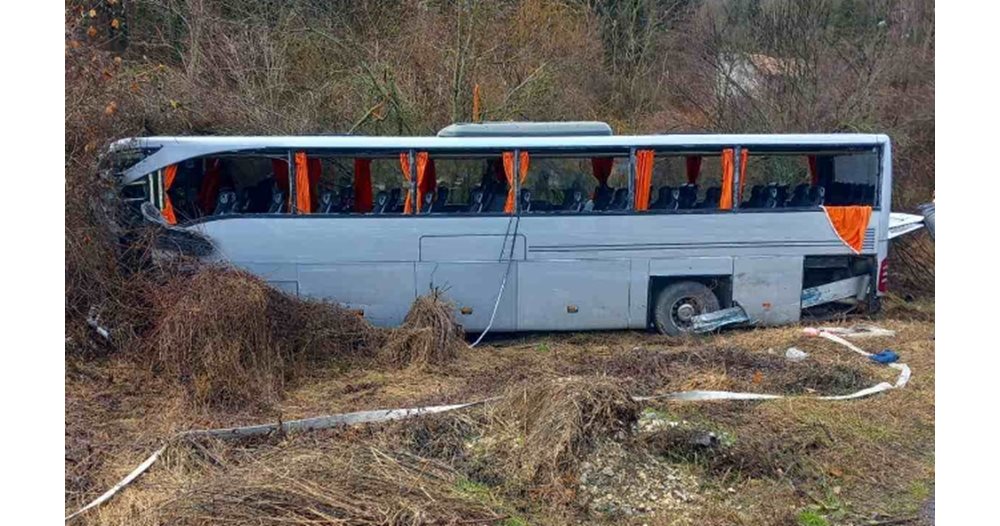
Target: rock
705	440
794	354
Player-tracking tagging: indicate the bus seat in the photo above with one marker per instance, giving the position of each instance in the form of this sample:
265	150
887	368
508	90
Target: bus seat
603	195
278	201
817	195
381	203
441	200
666	198
800	195
256	199
226	203
525	200
770	196
425	207
477	200
393	204
781	196
245	201
572	200
345	200
188	201
712	196
620	200
688	196
325	203
756	197
495	199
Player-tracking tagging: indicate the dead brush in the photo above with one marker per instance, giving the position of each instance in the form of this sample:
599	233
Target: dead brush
430	335
234	341
320	481
542	429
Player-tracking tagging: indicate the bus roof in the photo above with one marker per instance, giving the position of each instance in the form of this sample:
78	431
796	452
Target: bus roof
170	150
525	129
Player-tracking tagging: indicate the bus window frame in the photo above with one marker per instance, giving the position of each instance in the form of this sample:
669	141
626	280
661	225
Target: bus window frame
877	150
154	180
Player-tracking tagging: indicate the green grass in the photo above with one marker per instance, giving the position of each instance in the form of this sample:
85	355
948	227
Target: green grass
655	413
476	490
482	493
811	518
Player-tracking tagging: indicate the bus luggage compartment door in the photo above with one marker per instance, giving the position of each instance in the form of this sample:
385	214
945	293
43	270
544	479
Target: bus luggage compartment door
573	295
769	288
473	288
383	291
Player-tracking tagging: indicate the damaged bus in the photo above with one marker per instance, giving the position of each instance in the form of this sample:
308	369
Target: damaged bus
537	226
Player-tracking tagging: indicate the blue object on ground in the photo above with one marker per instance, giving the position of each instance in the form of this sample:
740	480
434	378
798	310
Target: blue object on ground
886	356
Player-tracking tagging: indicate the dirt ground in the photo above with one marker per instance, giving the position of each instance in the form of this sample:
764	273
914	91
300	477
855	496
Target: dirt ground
790	461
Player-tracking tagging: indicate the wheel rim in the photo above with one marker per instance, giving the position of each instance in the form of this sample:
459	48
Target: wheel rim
683	310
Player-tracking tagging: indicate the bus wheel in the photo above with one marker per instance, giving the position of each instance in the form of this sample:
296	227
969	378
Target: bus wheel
678	303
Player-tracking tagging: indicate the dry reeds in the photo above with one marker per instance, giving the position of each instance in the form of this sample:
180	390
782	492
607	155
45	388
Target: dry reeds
307	481
430	335
544	428
233	341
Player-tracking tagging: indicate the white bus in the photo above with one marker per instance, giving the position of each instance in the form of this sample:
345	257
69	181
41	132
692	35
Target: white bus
538	226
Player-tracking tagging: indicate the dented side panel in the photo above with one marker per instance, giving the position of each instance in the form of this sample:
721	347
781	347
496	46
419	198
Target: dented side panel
769	288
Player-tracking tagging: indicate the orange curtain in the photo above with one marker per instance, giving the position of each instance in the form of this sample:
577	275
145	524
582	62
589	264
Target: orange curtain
602	167
404	164
169	173
643	178
813	172
692	164
508	168
744	155
302	201
726	199
363	186
422	160
850	224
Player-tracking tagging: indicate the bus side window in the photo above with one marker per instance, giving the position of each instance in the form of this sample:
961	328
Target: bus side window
777	181
685	183
576	185
850	179
558	185
462	185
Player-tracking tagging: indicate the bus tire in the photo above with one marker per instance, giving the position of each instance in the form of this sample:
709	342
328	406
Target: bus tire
678	302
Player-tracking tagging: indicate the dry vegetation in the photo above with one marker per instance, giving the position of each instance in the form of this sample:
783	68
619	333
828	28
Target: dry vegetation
544	427
429	335
194	347
523	456
232	340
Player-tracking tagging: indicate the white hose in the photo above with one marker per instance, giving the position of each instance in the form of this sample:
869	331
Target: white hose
503	282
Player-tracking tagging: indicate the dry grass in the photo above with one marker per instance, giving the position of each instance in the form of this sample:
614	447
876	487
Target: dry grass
863	460
318	482
429	335
233	341
541	430
321	478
